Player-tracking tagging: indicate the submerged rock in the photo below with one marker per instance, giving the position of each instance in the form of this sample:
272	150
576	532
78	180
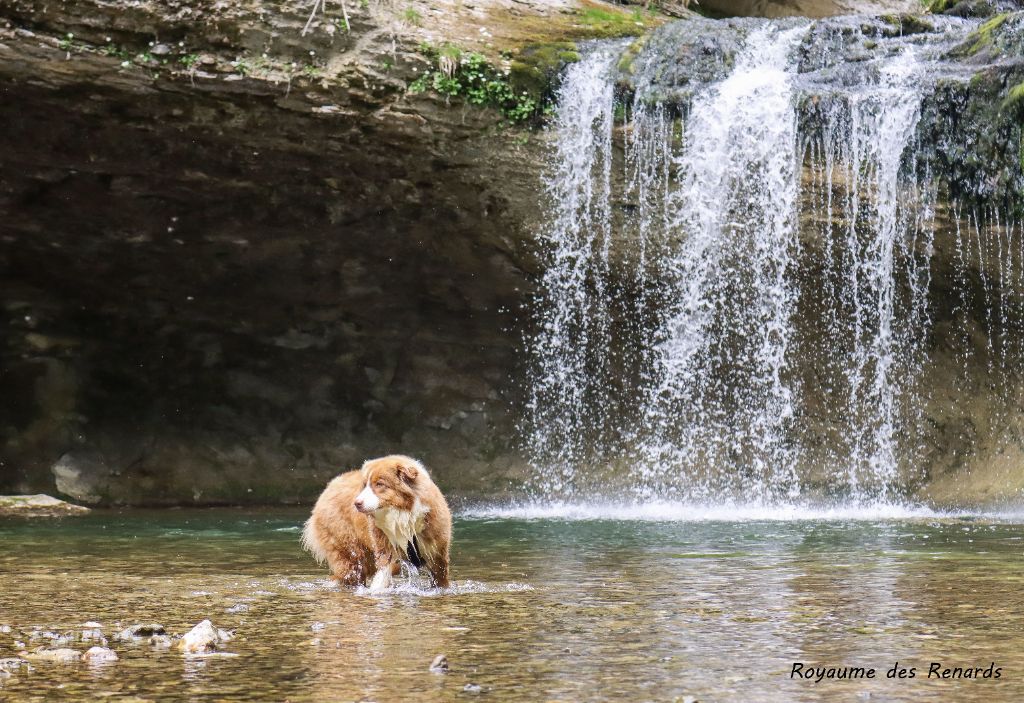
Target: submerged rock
204	638
100	654
136	632
92	633
439	665
9	664
61	655
39	505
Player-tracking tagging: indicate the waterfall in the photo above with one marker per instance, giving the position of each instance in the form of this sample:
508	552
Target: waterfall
770	313
720	391
568	398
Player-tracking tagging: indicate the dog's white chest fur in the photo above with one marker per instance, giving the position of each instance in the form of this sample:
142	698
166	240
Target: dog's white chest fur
400	526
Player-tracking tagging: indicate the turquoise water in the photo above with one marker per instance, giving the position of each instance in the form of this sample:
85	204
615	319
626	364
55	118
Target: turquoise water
543	608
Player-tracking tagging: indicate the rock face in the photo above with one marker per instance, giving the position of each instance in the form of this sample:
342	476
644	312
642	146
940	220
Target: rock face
238	259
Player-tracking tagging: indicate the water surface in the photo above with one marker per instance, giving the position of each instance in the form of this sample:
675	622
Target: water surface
543	608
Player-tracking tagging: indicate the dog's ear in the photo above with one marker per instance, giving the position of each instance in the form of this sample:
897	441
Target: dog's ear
407	472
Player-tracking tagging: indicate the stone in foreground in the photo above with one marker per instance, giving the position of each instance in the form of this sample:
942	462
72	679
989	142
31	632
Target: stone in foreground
39	505
100	654
62	655
204	638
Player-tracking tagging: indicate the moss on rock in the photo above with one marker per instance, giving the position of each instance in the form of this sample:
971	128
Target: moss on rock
982	38
607	23
535	67
1014	98
906	24
630	54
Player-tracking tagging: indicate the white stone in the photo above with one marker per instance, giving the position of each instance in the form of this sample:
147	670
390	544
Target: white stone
100	654
204	638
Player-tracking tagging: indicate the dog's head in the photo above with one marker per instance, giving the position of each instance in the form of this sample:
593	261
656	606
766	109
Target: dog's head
390	483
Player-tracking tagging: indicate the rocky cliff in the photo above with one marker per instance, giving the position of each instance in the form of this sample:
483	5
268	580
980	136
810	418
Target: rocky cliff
238	254
245	246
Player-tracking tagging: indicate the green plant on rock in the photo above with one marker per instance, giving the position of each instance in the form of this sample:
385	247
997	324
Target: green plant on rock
471	76
111	49
68	43
412	16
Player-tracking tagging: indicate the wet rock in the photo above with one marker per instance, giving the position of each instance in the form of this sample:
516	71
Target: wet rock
136	632
5	629
237	608
83	477
317	626
39	505
160	641
204	638
439	665
472	688
92	633
60	655
97	655
9	664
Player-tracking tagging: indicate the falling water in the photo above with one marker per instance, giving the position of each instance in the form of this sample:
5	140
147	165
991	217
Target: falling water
720	394
568	398
777	242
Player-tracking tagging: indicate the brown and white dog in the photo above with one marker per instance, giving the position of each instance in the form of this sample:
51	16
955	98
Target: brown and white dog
367	521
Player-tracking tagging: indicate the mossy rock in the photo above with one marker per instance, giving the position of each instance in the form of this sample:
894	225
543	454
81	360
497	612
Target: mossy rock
606	23
1014	99
536	66
962	8
906	24
982	38
630	54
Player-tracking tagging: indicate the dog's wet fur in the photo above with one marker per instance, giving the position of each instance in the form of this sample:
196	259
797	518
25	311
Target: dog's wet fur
367	522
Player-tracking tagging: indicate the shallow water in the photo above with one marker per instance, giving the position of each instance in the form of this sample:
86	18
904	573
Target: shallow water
544	608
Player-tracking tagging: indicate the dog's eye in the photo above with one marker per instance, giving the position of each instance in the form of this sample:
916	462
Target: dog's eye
379	484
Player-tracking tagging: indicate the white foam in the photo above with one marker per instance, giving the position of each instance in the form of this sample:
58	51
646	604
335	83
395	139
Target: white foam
412	588
694	512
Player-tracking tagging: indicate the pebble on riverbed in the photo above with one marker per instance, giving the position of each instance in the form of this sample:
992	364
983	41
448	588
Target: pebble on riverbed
439	665
204	638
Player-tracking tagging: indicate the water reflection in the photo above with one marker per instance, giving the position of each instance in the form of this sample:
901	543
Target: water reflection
542	609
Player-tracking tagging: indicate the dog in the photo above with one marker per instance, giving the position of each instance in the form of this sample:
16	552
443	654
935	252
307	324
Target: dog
368	521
